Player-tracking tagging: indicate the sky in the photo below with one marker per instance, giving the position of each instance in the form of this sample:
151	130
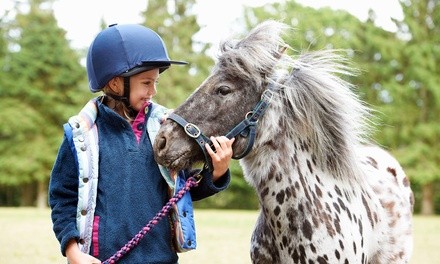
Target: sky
81	18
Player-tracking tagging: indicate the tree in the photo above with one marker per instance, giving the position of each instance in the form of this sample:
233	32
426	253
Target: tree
176	23
42	90
417	131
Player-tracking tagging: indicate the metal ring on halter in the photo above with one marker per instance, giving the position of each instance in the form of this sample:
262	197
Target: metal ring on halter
249	115
198	177
188	132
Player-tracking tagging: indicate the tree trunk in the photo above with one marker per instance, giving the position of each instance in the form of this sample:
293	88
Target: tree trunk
27	194
42	194
427	199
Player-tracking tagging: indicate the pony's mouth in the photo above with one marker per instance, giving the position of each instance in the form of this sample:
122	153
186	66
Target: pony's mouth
176	162
177	154
179	164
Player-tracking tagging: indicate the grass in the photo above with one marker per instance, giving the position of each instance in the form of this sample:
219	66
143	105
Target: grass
223	237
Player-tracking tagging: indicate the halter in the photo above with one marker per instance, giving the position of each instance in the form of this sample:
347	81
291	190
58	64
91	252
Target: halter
246	128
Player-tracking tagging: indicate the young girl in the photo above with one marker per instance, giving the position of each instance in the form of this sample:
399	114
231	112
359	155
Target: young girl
110	142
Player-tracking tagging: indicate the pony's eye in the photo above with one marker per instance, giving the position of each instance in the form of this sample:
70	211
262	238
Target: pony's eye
223	90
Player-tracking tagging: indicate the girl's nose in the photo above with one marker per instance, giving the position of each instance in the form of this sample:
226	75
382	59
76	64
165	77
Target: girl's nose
152	90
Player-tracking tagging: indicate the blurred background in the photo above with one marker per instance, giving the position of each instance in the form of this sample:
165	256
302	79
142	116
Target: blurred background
43	79
394	44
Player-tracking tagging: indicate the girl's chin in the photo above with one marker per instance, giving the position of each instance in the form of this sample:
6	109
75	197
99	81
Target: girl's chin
140	105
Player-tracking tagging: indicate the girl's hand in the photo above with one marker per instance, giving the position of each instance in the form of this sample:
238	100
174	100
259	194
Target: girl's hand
165	116
222	155
75	256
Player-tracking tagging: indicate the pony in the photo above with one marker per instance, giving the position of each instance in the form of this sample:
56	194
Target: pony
327	193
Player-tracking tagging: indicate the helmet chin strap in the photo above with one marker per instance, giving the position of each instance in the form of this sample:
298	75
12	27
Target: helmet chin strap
125	96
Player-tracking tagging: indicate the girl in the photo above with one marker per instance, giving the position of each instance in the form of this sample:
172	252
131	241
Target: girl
110	142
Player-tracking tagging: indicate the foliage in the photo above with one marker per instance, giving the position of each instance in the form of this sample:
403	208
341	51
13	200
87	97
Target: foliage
41	90
417	189
176	24
417	132
42	82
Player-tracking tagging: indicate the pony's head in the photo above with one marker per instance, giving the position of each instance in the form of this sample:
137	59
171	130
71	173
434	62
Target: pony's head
234	87
310	102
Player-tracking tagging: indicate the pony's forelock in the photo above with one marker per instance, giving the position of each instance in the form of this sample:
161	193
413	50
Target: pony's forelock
256	54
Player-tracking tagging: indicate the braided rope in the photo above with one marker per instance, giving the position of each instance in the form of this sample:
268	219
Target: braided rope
190	182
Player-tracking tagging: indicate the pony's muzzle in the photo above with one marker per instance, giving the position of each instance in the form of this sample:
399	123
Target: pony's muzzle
160	143
159	148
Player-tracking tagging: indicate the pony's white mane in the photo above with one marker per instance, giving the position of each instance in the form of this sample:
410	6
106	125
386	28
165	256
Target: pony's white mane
314	100
325	107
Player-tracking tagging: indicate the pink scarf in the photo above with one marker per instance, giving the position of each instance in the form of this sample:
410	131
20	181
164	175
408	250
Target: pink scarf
139	121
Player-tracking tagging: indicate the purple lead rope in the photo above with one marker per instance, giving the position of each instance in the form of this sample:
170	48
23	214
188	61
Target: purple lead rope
190	182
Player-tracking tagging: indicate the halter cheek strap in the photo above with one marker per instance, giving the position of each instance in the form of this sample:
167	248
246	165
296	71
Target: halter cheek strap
194	132
246	128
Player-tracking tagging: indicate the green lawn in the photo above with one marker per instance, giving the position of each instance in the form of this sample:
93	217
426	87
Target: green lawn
223	237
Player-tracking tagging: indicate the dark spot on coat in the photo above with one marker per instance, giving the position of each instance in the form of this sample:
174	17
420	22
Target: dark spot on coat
277	210
264	192
309	165
337	254
313	248
372	162
321	260
341	244
336	206
367	208
392	171
280	197
318	191
307	230
338	191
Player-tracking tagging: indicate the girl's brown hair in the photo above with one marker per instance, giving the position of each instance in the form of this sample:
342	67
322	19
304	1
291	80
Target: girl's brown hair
117	105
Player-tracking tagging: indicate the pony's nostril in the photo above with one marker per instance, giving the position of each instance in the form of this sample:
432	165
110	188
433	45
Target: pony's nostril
161	142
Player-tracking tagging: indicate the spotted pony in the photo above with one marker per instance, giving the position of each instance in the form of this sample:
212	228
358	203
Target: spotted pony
326	193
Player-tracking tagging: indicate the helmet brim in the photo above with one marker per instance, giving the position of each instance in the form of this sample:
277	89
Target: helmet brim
146	66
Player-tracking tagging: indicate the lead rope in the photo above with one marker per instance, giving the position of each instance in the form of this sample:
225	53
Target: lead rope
190	182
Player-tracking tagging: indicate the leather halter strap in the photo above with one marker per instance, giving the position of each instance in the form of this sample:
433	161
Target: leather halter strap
246	128
194	132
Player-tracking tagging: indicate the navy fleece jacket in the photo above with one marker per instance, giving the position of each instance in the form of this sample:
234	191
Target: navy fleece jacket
131	190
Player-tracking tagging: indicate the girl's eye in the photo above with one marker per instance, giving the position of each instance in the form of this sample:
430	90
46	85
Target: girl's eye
223	90
149	83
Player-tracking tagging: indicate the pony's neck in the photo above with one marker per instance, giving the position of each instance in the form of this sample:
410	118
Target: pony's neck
287	178
285	154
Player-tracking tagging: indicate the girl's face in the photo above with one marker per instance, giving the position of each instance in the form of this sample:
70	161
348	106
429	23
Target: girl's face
143	88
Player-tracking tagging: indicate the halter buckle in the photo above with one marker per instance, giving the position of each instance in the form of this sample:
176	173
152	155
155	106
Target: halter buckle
267	95
189	130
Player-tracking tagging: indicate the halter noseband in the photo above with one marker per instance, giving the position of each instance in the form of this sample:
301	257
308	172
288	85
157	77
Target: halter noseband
246	128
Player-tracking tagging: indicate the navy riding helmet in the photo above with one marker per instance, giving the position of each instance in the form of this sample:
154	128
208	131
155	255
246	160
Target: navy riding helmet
125	50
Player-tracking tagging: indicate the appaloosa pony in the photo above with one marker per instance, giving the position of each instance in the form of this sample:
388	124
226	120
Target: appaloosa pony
326	194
